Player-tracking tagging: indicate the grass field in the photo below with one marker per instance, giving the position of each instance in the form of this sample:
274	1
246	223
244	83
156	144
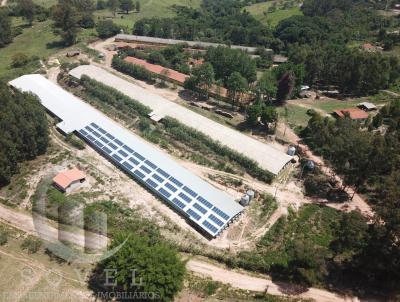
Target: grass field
148	9
260	12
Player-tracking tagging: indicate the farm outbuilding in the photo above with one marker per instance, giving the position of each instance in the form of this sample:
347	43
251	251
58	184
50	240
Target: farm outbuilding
366	106
209	209
69	179
352	113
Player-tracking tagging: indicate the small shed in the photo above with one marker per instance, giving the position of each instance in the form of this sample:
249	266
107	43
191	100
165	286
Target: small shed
366	106
66	181
73	53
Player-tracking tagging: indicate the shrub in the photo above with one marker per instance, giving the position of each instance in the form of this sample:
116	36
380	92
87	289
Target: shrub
3	237
31	244
19	60
107	28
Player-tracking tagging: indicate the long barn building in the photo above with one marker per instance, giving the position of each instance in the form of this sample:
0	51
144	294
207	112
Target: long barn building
210	210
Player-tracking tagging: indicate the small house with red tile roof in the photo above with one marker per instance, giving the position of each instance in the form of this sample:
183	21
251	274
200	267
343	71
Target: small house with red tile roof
68	180
352	113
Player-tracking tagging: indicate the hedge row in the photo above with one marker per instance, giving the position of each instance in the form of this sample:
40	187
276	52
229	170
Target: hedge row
136	71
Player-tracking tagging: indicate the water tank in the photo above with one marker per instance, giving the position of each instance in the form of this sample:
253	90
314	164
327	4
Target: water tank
251	194
310	165
291	151
245	200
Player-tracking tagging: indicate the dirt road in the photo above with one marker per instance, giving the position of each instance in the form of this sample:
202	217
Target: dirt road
25	223
246	282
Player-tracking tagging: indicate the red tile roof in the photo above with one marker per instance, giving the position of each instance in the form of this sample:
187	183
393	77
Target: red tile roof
158	69
66	178
354	113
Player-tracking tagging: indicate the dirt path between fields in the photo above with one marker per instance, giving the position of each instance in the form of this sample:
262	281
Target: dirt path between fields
244	281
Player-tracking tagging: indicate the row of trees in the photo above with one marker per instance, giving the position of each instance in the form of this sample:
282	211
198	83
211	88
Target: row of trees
6	35
23	131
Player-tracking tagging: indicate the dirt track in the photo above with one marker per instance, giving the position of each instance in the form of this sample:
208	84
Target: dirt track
25	223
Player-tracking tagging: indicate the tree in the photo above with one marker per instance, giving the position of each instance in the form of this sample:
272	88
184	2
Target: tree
126	5
143	266
137	6
27	10
269	116
66	18
5	28
107	28
113	5
202	78
237	85
266	87
253	114
285	87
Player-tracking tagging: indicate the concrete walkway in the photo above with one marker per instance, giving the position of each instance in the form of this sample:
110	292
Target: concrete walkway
265	155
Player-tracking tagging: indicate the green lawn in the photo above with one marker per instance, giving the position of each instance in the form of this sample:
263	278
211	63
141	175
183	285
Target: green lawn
260	12
149	8
297	116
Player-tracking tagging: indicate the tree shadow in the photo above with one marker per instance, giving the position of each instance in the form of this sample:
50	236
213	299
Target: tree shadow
55	45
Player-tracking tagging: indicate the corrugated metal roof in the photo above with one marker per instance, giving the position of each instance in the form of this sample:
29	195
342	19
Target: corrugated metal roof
182	189
145	39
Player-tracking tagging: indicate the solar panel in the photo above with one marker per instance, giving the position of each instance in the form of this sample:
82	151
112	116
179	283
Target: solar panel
209	226
189	191
215	220
175	181
152	183
193	214
164	192
158	178
104	140
109	136
163	173
185	197
199	208
150	164
99	144
83	132
127	149
94	125
101	130
113	146
140	174
205	202
96	134
134	161
91	138
123	153
118	142
138	156
127	165
105	149
89	129
171	187
116	157
220	213
179	203
145	169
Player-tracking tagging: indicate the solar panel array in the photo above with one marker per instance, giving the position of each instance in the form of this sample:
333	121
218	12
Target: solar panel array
178	194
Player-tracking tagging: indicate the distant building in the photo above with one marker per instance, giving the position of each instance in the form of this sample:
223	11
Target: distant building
67	180
352	113
279	59
366	106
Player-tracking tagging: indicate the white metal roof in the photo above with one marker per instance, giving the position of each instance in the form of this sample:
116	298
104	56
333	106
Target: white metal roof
79	116
155	40
264	154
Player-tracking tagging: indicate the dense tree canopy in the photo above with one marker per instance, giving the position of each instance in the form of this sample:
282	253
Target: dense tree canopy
5	28
23	131
144	266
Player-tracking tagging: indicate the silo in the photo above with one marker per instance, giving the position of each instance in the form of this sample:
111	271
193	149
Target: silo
251	194
291	151
245	200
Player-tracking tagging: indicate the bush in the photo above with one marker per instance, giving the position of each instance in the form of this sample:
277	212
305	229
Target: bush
19	60
107	28
31	244
3	237
75	142
136	71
